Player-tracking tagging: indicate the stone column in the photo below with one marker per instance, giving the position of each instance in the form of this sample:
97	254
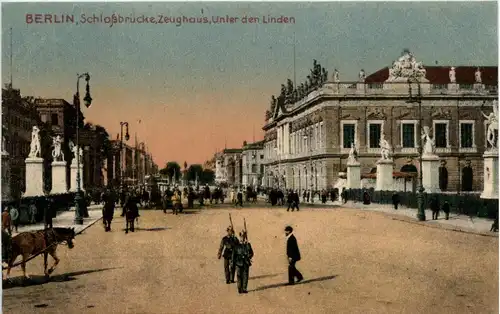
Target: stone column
490	190
34	176
385	181
59	177
5	176
354	175
430	173
73	176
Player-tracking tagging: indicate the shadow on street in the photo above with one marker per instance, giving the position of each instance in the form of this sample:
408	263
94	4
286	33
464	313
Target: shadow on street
264	276
278	285
40	280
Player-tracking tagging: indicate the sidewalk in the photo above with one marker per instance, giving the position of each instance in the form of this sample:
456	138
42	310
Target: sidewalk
66	219
456	222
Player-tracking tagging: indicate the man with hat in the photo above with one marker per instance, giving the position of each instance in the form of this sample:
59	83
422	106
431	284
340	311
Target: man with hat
293	254
242	258
228	244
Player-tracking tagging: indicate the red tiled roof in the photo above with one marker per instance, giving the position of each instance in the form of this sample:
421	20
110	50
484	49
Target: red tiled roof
440	75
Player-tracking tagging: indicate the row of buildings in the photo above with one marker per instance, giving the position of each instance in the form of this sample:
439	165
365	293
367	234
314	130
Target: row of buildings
104	160
310	129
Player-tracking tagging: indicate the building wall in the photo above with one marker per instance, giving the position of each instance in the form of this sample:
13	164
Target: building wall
331	109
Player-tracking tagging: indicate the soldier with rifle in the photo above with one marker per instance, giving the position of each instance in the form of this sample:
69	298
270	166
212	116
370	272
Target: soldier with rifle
228	244
242	258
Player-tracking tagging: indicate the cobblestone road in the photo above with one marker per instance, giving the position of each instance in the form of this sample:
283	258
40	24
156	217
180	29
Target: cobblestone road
353	262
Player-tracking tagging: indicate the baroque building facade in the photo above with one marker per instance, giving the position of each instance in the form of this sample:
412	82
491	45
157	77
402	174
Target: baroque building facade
309	130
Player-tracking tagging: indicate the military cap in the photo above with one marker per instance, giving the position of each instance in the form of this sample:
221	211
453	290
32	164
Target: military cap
289	228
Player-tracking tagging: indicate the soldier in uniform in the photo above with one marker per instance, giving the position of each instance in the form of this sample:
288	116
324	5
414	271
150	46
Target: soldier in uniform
228	245
242	258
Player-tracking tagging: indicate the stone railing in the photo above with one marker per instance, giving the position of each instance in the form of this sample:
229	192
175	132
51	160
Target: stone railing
465	203
360	88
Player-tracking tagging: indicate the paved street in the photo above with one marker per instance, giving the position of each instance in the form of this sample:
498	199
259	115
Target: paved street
353	261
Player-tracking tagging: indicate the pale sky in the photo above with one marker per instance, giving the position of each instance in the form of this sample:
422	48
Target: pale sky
196	86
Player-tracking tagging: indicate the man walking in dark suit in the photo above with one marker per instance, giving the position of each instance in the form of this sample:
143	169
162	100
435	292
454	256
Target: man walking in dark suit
293	253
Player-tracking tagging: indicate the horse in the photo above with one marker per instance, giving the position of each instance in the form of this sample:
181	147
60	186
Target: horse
34	242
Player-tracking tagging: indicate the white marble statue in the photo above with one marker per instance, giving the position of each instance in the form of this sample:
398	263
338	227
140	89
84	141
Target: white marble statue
336	76
57	153
492	121
406	67
353	153
76	150
362	75
35	143
453	78
428	142
385	148
478	76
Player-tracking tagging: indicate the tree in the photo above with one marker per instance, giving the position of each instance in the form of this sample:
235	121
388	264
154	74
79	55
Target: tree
171	168
193	170
208	176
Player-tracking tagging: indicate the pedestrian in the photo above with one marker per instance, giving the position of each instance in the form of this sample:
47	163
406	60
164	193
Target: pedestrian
366	198
240	198
289	200
242	259
308	195
293	254
48	214
304	194
109	200
226	249
6	221
446	210
14	216
295	200
434	204
33	212
395	200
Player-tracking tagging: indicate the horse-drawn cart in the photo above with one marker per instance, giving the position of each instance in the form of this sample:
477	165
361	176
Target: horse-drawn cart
32	244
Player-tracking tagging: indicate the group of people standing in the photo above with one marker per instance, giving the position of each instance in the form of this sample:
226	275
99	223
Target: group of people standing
238	254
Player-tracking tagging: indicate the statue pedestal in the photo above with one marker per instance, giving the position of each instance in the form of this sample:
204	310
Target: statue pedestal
59	177
385	180
430	173
490	189
5	177
453	87
73	177
353	175
360	88
34	176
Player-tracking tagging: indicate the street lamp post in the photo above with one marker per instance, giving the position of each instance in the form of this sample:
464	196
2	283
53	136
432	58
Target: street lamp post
420	189
88	101
122	155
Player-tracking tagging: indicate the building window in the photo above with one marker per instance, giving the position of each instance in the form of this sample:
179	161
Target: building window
321	135
261	156
441	134
54	118
374	134
408	134
467	134
261	169
254	168
348	133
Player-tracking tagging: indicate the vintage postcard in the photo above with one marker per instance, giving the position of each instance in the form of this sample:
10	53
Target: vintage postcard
249	157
